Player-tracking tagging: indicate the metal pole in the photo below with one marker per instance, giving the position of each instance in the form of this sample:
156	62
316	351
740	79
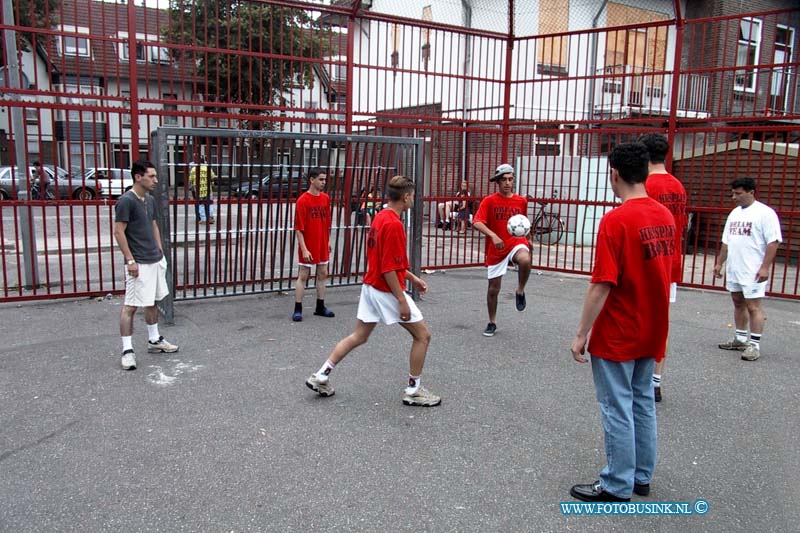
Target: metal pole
416	229
676	83
158	145
28	229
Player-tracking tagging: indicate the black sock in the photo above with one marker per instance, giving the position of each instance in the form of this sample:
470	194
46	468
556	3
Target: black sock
320	305
298	307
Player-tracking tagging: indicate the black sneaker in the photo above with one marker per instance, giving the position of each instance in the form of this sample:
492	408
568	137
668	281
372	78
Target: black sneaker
325	312
657	393
491	327
520	298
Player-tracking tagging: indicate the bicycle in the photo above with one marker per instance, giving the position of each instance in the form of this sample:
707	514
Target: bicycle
36	192
547	227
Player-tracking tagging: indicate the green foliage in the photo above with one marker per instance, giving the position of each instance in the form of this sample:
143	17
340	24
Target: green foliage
242	36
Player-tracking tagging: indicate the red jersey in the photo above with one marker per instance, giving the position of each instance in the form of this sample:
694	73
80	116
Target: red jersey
313	218
635	247
386	250
494	211
669	192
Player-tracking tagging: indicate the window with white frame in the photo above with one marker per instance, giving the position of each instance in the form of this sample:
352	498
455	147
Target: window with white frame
31	115
74	44
170	120
159	54
311	115
125	116
81	95
747	53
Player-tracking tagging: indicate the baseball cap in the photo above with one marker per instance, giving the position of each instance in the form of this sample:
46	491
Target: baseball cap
505	168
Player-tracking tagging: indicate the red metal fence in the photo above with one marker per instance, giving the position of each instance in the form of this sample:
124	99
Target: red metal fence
92	80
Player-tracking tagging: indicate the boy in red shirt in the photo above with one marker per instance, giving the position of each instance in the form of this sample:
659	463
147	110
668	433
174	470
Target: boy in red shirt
627	310
383	298
312	226
667	190
492	220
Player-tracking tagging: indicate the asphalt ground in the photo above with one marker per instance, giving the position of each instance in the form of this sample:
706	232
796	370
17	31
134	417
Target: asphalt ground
224	436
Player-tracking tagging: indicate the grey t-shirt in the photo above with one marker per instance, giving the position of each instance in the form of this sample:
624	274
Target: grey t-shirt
139	215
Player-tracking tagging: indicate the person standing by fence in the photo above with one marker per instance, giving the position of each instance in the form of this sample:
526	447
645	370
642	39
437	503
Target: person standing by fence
138	237
312	226
202	181
750	243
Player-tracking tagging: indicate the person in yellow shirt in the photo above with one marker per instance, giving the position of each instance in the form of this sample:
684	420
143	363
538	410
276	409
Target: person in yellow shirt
202	178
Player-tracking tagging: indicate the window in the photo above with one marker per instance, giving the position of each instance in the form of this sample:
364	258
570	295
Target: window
31	115
81	96
139	52
75	45
310	115
338	71
747	54
125	116
783	55
159	54
170	120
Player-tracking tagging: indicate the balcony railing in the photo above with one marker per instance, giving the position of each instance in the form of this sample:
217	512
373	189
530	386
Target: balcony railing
629	89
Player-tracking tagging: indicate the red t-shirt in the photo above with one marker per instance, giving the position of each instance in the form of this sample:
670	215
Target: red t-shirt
669	192
386	250
635	247
494	211
313	218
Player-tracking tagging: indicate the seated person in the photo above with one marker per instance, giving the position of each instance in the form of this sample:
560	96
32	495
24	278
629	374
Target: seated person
368	207
451	209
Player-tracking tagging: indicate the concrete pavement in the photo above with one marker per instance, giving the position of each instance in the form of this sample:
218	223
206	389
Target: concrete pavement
224	435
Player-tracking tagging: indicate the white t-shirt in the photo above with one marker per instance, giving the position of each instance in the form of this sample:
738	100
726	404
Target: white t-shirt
747	233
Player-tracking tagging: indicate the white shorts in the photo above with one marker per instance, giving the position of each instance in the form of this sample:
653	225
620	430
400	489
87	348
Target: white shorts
750	291
378	306
673	292
149	286
500	269
313	264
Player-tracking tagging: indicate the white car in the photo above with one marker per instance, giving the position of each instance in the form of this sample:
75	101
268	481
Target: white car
115	181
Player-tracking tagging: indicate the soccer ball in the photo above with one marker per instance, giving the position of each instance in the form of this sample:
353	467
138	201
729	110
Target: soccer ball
519	226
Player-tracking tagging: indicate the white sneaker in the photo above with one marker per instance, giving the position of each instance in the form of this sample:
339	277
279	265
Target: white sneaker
161	346
421	397
128	360
751	353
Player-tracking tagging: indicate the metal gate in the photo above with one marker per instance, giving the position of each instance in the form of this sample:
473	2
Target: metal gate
250	247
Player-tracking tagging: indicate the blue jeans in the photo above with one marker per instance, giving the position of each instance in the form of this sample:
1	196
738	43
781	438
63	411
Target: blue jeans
205	208
628	411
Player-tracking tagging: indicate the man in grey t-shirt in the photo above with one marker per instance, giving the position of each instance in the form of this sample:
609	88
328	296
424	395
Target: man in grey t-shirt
137	234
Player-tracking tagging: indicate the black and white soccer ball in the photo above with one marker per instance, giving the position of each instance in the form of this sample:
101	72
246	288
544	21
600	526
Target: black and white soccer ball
519	226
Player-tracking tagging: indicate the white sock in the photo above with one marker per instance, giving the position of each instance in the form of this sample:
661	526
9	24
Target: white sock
152	332
127	343
741	335
325	371
755	340
656	380
413	384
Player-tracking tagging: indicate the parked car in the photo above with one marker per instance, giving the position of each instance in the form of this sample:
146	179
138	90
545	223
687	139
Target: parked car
115	181
61	183
283	185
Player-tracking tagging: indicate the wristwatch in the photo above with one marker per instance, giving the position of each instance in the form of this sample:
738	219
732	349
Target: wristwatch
130	262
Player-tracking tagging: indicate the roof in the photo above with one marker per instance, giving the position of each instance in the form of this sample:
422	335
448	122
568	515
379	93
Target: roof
790	149
106	20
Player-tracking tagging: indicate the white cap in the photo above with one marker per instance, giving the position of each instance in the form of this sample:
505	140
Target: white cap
505	168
